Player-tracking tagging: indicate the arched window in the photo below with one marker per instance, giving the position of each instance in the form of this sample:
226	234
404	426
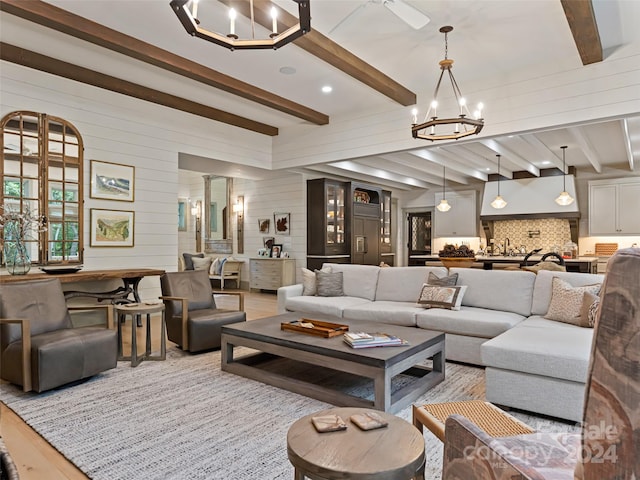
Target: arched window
41	173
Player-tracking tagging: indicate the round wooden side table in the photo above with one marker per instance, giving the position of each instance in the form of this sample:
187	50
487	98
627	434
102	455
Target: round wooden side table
395	452
137	312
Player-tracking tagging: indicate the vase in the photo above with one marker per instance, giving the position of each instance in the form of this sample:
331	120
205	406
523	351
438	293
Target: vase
16	258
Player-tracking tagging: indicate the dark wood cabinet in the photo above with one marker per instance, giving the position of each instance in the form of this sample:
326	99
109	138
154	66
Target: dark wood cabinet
347	222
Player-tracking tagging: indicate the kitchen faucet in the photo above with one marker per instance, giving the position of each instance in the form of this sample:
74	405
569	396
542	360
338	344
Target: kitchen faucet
507	243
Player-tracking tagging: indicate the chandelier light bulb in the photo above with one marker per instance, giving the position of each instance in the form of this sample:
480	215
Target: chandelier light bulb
274	17
194	8
414	113
232	21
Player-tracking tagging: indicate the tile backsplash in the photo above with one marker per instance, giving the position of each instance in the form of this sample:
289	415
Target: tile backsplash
540	233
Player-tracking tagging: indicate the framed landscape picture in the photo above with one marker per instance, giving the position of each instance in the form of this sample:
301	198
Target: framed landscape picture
111	228
182	214
112	181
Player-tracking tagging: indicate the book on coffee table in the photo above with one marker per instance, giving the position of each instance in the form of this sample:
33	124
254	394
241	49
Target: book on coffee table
328	423
365	340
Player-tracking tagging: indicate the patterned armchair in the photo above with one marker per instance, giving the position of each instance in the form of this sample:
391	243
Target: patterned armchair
609	444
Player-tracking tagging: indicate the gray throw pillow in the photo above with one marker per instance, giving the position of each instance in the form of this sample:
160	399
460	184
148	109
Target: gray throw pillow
188	263
329	284
449	281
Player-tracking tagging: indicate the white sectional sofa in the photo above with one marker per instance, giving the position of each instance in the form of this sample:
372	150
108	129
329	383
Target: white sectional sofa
531	363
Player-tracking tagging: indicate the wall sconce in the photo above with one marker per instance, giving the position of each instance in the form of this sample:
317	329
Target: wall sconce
238	209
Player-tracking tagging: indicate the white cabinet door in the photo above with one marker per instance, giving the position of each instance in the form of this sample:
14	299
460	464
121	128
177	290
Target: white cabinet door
460	220
628	206
602	209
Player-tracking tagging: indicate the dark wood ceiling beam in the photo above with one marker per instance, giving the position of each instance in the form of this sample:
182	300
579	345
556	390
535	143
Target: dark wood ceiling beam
584	29
64	21
34	60
328	51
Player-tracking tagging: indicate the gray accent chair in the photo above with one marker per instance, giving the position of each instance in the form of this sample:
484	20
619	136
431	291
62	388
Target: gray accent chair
39	348
193	320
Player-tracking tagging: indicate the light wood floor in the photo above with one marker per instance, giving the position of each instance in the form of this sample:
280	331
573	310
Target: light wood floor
37	460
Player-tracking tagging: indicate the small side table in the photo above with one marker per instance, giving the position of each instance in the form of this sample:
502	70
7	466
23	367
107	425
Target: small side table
395	452
137	312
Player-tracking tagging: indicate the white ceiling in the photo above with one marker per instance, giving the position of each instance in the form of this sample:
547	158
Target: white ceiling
536	32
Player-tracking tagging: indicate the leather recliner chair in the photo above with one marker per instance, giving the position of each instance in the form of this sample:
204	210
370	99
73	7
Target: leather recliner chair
193	320
39	348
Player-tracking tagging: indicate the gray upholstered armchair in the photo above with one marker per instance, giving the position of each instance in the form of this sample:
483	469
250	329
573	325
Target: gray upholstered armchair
39	348
610	441
193	320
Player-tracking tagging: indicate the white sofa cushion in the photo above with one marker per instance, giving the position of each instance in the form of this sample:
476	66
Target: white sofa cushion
328	305
542	288
471	321
508	291
357	280
394	313
403	284
542	347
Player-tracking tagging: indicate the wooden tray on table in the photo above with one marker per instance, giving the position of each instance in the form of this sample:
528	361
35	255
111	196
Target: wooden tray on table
318	328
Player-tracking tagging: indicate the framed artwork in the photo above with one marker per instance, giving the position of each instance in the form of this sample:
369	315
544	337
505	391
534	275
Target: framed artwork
276	250
268	242
213	217
282	223
182	214
264	224
112	181
111	228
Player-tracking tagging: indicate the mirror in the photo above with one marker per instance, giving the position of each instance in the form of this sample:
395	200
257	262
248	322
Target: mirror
217	218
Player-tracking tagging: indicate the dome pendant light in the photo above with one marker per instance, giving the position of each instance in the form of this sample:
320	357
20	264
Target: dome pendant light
564	198
498	202
443	206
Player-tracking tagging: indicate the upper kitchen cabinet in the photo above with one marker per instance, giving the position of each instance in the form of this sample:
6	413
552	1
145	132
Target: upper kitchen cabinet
460	220
613	206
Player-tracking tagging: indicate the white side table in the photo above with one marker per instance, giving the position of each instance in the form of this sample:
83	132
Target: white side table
138	311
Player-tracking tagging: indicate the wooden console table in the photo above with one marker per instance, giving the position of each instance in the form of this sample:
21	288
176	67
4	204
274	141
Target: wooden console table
130	278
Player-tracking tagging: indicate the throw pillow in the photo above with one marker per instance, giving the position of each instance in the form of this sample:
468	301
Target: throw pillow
433	296
188	263
448	281
329	284
566	301
214	266
589	310
309	280
201	263
220	265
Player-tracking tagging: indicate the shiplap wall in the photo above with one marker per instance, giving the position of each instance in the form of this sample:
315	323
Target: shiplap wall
120	129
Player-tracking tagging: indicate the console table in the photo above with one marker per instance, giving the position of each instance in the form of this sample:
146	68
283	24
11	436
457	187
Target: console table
130	277
271	273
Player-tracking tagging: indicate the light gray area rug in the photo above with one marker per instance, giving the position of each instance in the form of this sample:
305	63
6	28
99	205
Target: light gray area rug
186	419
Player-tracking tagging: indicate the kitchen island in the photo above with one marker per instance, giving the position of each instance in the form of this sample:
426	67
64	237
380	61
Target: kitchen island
580	264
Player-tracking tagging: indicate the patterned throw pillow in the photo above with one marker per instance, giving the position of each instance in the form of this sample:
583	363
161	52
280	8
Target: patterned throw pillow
566	301
589	310
448	281
329	284
433	296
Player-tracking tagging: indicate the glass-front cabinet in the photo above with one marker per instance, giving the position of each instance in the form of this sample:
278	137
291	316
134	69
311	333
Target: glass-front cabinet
385	222
335	195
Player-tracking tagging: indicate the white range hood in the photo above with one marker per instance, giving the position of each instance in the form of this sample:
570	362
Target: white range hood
530	198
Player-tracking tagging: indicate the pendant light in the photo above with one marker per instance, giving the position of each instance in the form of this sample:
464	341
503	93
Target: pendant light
498	202
564	198
443	206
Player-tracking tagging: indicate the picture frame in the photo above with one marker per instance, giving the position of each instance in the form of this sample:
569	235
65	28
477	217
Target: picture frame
112	181
282	223
183	205
276	250
264	225
112	228
268	242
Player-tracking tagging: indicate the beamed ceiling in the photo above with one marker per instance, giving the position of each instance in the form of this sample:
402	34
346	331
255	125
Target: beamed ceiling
371	58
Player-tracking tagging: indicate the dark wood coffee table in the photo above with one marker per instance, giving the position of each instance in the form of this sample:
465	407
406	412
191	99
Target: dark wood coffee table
307	364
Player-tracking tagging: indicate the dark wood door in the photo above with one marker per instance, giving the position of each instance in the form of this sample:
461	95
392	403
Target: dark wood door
419	231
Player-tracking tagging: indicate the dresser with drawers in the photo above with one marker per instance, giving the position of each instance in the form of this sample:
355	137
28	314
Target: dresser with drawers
271	273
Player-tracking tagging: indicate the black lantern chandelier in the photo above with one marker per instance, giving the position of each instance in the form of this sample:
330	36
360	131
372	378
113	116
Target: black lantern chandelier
261	11
435	128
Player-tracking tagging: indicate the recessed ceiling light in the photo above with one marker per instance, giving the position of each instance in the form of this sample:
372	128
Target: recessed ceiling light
287	70
546	162
327	89
488	169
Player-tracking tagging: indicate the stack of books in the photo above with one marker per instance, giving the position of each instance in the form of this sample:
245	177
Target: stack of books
365	340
